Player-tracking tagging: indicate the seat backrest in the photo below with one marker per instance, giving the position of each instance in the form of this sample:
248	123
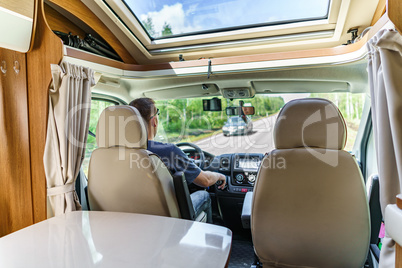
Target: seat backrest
123	176
309	204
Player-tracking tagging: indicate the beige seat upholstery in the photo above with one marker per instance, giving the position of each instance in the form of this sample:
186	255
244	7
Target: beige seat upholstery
123	175
309	204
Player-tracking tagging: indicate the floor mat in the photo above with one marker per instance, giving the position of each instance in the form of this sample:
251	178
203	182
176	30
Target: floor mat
242	254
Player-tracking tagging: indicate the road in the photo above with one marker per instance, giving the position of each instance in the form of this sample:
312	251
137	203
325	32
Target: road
259	141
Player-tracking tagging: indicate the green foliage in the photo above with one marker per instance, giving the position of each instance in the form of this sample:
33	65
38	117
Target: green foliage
350	105
149	26
265	105
167	29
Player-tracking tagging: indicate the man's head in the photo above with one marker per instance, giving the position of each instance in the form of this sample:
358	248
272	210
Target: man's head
148	111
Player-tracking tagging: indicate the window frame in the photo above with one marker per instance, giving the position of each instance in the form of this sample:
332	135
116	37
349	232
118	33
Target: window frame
330	28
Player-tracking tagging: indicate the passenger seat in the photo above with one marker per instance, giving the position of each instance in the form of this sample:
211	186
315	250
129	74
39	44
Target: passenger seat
314	212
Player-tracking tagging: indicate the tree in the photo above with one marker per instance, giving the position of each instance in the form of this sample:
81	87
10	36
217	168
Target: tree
167	29
149	26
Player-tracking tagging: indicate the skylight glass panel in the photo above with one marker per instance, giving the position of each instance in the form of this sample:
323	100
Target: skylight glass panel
164	18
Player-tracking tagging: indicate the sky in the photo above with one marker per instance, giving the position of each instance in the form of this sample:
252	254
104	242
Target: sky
186	16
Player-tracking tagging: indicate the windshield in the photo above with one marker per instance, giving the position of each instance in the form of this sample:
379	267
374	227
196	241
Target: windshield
183	120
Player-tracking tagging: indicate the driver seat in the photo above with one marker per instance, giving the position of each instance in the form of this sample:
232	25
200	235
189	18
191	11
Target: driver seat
124	177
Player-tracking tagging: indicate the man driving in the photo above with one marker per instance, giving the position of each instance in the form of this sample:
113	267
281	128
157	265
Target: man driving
176	160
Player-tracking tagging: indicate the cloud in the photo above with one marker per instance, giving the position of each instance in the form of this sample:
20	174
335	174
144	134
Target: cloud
197	16
174	15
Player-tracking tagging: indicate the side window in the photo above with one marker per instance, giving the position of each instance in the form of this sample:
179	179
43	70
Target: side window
371	157
97	106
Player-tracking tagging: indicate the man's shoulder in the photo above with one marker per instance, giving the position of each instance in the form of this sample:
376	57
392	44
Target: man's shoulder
157	144
161	146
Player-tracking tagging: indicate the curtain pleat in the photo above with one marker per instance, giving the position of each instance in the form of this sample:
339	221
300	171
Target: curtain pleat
385	78
68	123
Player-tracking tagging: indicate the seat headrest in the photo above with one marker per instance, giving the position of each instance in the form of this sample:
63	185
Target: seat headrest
121	125
310	123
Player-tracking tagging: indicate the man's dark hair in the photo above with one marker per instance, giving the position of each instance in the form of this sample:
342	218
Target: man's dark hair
144	106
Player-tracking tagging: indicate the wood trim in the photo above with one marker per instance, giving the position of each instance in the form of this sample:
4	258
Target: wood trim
47	49
80	54
399	201
398	256
379	12
82	12
35	17
394	9
231	60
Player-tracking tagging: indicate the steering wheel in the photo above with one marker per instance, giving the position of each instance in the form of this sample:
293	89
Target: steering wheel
201	162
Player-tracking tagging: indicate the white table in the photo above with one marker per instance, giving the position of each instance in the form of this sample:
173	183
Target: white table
112	239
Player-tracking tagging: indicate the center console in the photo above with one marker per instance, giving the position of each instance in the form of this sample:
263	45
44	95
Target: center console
242	171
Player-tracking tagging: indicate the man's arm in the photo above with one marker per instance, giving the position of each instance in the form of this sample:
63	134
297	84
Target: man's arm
208	178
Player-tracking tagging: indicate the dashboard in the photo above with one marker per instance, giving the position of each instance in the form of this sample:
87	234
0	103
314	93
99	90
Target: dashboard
240	169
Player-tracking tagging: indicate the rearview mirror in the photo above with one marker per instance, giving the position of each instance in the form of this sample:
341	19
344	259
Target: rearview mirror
212	105
247	110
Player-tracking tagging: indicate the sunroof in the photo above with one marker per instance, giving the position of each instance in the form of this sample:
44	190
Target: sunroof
165	18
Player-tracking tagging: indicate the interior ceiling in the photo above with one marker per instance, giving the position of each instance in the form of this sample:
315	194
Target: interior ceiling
347	77
356	14
350	77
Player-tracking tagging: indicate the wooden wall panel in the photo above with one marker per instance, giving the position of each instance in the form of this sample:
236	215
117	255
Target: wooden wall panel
47	49
15	173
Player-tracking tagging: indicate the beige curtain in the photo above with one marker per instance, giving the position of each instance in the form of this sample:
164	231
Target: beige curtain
68	122
385	75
